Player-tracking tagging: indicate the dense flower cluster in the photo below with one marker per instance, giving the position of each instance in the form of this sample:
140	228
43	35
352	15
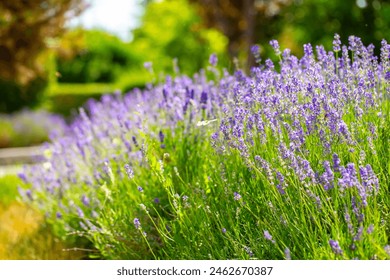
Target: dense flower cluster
312	120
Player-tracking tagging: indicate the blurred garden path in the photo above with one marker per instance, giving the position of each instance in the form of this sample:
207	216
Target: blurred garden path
12	159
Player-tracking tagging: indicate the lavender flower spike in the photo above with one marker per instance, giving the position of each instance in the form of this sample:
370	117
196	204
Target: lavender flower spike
148	66
237	196
129	171
268	236
255	49
85	200
203	100
213	60
137	223
387	249
370	229
275	45
336	43
287	254
335	247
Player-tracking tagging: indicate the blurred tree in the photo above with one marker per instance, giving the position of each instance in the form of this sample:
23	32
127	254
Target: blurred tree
316	21
244	22
294	22
25	27
172	29
92	56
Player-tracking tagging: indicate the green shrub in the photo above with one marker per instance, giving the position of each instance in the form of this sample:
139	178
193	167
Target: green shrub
101	59
65	99
15	96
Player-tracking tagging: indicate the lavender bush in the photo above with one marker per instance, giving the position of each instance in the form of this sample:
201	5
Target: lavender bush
289	162
26	128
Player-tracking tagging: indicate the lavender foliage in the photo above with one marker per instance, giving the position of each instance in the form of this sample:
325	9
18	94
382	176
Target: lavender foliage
270	120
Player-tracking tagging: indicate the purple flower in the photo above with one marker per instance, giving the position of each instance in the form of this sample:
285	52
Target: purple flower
85	200
23	177
156	200
336	162
140	189
387	249
370	229
129	171
215	136
287	254
135	141
280	189
269	64
359	234
343	128
387	76
213	60
203	99
249	251
83	226
275	45
29	194
237	196
335	247
148	65
94	214
280	177
137	223
349	222
369	180
255	50
347	180
336	43
223	230
268	236
328	176
353	46
161	136
308	50
80	212
356	208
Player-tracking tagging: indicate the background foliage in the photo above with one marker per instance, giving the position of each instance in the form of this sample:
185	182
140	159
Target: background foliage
35	53
25	28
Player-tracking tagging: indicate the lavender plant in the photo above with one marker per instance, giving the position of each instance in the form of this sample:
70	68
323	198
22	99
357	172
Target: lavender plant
287	164
26	128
